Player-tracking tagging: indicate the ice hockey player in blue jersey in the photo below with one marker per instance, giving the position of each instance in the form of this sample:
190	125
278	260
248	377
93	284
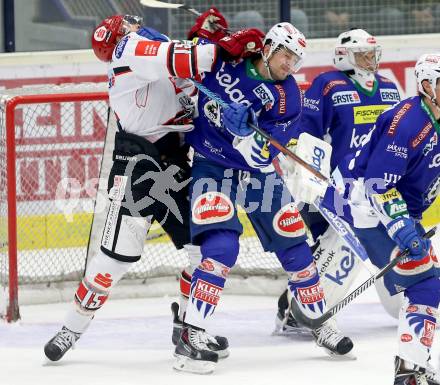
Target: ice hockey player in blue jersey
233	165
340	107
397	173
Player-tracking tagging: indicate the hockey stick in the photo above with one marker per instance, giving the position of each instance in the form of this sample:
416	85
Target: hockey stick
314	323
334	221
161	4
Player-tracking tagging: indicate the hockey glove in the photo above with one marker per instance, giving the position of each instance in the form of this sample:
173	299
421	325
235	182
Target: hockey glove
241	44
403	231
206	26
236	118
254	149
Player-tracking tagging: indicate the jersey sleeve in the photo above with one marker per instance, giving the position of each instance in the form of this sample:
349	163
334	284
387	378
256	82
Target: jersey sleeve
153	60
387	163
317	111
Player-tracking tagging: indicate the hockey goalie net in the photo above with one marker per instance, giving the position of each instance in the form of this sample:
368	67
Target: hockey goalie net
53	154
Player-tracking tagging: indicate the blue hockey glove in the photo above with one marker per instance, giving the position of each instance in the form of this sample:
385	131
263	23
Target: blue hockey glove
403	232
236	118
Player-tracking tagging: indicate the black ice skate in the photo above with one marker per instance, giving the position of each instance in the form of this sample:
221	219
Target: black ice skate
192	352
217	344
60	344
285	322
407	373
332	340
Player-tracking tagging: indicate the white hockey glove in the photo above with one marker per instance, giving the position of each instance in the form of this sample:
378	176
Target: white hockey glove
254	150
302	184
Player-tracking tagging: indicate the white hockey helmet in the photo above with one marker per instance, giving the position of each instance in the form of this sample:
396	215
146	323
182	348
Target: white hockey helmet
287	36
349	49
428	68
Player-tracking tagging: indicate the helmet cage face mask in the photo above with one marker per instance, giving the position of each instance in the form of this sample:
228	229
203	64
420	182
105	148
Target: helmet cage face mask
353	52
130	20
365	59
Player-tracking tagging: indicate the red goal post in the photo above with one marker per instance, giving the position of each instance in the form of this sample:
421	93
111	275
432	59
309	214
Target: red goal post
52	142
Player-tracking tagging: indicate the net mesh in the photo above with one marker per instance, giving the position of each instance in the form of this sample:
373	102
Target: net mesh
59	146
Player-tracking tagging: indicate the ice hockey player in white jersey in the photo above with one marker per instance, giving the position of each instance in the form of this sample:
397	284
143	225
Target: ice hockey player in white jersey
149	176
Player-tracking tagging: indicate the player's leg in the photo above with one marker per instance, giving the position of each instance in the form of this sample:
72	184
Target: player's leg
215	227
419	281
280	228
178	229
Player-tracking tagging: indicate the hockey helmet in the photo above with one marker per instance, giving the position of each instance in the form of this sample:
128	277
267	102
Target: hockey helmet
357	50
287	36
107	34
428	68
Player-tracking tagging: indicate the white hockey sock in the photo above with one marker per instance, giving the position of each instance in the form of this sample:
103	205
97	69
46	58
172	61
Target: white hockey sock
194	257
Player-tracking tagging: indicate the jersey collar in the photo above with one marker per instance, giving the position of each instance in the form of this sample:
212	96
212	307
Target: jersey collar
252	72
363	90
431	115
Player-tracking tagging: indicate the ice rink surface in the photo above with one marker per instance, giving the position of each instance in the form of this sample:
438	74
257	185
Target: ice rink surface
129	343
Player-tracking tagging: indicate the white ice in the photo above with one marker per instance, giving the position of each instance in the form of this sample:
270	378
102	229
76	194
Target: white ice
129	343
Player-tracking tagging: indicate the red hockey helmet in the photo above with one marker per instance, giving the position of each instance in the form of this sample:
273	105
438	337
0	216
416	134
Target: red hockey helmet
105	37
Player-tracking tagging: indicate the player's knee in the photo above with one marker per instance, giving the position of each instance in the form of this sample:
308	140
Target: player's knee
124	235
221	246
296	258
101	276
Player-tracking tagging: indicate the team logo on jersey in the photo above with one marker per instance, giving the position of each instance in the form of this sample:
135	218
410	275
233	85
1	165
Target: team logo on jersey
282	101
396	119
421	135
389	95
266	97
433	141
288	222
398	151
356	139
212	112
147	48
368	114
212	207
119	50
311	104
435	161
228	84
391	178
345	97
332	84
433	190
311	294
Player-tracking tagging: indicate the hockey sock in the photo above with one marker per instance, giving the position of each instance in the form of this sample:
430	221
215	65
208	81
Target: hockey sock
220	250
194	257
417	321
101	275
304	283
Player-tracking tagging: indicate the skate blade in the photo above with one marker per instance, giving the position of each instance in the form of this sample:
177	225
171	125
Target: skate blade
185	364
339	357
222	354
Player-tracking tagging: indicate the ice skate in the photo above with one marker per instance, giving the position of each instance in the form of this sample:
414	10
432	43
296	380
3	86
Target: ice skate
332	340
217	344
60	344
407	373
192	352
